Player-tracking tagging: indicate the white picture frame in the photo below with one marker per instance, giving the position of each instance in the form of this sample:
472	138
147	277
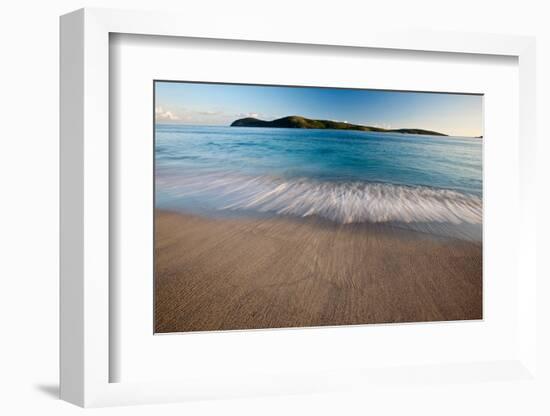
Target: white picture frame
85	219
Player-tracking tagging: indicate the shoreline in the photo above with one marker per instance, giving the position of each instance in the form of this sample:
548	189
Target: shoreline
231	274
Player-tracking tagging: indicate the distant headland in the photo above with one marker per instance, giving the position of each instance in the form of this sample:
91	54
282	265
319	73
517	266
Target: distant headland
297	122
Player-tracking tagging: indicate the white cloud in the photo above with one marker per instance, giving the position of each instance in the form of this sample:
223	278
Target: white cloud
164	115
379	125
201	116
242	115
210	113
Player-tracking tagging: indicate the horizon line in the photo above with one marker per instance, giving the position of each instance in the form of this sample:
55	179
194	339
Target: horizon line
390	130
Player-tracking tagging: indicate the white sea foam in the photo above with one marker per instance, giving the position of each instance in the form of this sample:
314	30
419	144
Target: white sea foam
342	202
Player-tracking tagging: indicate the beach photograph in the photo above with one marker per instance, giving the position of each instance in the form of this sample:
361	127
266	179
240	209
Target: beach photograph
293	206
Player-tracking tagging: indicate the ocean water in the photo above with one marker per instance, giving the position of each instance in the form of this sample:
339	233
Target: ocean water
427	183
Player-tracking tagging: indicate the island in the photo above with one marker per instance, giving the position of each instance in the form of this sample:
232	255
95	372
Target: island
298	122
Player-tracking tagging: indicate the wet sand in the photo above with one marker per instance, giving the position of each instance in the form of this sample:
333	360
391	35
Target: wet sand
223	274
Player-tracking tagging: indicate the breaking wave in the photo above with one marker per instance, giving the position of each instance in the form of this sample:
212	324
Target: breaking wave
338	201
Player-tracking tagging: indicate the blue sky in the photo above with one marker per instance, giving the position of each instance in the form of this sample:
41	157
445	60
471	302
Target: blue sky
220	104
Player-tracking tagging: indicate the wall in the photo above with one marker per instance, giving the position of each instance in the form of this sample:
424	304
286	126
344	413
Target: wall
29	208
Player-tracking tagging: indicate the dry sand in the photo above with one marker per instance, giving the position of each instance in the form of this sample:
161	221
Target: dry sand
221	274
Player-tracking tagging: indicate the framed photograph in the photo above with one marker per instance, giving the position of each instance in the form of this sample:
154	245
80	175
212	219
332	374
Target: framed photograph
266	220
277	213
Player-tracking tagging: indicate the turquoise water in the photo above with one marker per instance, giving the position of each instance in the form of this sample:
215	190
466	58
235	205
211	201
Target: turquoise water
429	183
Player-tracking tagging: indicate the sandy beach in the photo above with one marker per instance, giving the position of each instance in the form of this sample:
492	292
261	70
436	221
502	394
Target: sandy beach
224	274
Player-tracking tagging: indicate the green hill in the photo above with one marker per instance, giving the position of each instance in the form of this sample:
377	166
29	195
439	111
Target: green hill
297	122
